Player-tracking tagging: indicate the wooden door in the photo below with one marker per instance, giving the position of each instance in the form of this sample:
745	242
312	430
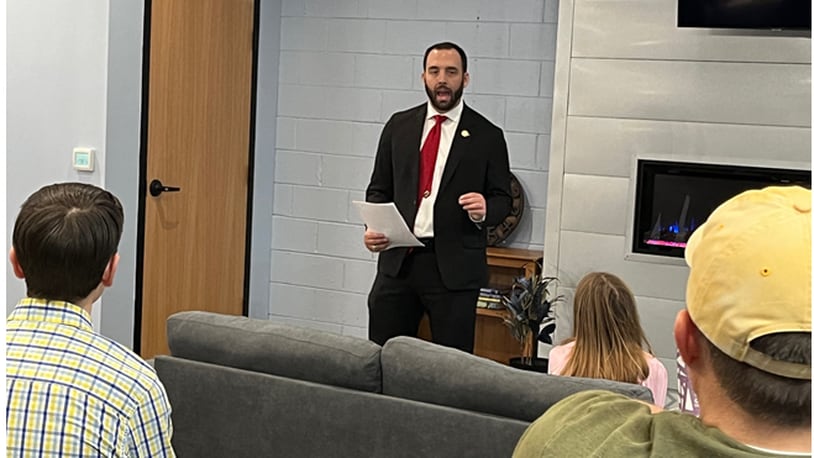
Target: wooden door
198	131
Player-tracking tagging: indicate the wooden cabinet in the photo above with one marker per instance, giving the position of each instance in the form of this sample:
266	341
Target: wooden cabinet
507	263
492	338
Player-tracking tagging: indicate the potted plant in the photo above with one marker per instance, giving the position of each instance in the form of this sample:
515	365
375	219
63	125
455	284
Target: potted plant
529	317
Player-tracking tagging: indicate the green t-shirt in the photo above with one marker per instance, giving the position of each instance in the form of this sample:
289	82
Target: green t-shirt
605	424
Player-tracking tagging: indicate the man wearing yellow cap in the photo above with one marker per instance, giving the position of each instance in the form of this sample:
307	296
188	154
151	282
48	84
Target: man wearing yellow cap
745	337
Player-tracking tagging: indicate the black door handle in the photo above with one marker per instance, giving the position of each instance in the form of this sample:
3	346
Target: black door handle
156	188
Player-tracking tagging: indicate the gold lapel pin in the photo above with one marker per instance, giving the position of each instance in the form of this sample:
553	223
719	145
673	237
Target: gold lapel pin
464	133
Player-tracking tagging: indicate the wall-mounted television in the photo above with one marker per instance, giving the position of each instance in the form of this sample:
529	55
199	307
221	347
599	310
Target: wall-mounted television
745	14
673	198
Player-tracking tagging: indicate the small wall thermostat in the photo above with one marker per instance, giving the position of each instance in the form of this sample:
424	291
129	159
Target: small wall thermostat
83	159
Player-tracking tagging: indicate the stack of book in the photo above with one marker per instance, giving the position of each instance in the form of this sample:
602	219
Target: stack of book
490	298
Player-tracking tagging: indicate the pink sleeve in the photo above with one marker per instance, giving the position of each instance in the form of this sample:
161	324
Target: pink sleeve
557	357
657	380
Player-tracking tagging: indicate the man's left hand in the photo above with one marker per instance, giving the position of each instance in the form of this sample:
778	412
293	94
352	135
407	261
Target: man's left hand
474	204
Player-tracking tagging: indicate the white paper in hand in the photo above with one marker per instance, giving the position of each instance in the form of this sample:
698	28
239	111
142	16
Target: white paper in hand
386	219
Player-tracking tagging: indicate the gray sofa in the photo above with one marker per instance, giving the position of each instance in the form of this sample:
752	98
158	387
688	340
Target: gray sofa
242	387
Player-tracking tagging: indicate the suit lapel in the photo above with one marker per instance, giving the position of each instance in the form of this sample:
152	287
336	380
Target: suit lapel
409	157
457	148
412	134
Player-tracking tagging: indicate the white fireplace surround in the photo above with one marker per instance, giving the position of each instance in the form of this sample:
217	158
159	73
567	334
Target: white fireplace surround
630	84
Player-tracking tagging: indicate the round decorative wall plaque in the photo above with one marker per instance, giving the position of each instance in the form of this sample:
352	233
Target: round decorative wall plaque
497	234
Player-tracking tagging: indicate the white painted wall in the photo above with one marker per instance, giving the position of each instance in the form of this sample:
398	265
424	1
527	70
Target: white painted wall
345	67
628	83
74	77
56	100
123	141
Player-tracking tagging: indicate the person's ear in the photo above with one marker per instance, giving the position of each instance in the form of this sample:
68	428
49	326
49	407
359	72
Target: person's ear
18	270
466	79
110	270
686	337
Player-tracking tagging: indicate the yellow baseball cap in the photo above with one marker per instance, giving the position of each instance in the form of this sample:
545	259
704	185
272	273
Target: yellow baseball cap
750	274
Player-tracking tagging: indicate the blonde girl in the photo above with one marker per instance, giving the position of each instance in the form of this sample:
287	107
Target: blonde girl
608	340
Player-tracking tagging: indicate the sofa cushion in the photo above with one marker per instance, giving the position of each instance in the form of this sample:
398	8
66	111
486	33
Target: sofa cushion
264	346
422	371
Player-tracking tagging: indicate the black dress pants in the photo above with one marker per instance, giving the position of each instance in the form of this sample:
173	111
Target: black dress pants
397	304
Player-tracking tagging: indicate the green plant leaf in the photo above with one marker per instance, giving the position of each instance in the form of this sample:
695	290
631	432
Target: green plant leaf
529	303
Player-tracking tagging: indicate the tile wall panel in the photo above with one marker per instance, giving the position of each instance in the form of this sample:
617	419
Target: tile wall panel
346	172
719	92
482	39
291	234
297	168
319	305
342	241
306	270
608	146
646	29
595	204
582	252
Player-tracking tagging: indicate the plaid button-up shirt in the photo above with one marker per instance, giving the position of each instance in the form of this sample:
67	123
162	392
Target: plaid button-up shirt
74	393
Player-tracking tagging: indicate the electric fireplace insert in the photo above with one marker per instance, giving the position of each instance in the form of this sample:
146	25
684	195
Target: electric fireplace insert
673	198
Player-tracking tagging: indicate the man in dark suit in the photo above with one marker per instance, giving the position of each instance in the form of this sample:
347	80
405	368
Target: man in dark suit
449	198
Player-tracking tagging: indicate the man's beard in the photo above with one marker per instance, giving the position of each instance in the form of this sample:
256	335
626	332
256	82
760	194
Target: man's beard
447	105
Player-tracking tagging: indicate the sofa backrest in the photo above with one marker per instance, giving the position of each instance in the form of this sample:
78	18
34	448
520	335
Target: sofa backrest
422	371
220	411
264	346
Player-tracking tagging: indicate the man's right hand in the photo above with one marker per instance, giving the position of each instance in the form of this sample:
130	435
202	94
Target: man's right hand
375	241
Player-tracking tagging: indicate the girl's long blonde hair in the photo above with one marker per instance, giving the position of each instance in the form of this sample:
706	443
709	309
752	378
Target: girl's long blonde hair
610	342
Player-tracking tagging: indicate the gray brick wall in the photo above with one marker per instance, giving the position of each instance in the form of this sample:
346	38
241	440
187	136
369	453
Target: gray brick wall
345	67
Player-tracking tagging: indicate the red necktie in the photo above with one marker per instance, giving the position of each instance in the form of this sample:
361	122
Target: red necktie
429	152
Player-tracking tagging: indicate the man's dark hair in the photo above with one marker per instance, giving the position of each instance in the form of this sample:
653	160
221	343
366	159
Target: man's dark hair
64	237
774	399
446	45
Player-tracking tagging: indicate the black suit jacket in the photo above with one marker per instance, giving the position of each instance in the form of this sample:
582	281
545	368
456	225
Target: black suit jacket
478	162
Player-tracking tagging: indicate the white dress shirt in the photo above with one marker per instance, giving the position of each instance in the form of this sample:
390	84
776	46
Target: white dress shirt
423	227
